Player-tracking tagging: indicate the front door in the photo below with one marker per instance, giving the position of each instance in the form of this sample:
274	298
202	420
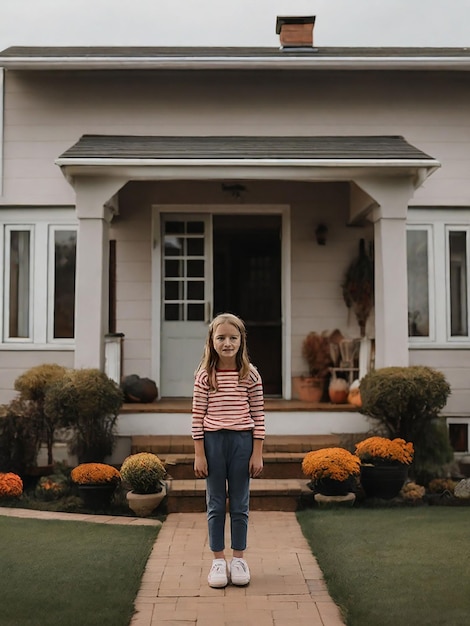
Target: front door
215	264
247	282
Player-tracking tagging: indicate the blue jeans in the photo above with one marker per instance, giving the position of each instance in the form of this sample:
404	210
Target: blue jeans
228	454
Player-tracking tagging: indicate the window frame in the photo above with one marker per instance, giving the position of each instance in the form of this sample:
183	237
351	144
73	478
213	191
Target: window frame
42	223
439	223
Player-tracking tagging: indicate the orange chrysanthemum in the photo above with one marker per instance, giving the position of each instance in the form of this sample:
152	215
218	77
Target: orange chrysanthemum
334	463
11	485
383	450
94	473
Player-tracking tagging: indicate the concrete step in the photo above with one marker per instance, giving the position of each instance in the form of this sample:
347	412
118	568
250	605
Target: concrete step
189	496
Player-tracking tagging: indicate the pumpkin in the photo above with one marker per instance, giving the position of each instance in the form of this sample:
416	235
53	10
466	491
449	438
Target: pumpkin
354	395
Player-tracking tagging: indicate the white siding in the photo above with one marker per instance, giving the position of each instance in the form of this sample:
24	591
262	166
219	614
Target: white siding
46	113
13	363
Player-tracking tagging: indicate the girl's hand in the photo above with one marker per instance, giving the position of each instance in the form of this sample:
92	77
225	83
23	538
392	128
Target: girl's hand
200	466
256	464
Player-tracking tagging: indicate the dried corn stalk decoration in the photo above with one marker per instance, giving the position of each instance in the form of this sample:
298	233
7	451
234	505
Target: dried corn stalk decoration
358	287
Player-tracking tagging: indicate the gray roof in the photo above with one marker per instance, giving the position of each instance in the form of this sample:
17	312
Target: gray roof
220	147
92	52
115	57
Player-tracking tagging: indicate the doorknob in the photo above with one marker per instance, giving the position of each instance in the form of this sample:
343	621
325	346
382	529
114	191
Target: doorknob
208	313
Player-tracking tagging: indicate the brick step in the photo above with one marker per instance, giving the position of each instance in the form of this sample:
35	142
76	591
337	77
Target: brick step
166	444
189	496
276	465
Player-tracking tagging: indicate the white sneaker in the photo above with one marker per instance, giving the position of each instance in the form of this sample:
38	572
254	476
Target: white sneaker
218	577
239	572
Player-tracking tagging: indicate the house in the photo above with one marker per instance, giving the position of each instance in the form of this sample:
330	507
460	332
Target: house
145	189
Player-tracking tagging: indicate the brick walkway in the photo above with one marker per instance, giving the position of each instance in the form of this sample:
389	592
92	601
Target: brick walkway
286	589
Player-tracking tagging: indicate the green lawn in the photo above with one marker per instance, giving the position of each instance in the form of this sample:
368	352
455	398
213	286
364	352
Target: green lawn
387	567
70	573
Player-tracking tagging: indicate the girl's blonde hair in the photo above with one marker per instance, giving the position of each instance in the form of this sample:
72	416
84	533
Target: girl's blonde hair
210	357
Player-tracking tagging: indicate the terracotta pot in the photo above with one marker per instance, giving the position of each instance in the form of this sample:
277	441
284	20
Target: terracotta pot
309	389
143	504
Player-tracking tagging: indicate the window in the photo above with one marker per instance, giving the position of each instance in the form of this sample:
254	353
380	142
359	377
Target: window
38	268
438	277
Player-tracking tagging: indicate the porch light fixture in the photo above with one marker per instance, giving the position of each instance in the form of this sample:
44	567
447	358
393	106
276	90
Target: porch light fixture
320	234
235	190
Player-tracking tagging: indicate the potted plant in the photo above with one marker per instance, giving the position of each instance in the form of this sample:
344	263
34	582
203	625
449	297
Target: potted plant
96	482
11	485
407	401
332	470
88	402
384	464
143	473
316	352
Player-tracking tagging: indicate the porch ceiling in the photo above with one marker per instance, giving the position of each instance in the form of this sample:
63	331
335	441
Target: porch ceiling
260	157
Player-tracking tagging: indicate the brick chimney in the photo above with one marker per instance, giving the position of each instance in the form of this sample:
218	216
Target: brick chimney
295	31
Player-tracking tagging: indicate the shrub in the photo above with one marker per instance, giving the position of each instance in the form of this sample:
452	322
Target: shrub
88	402
408	401
143	472
51	487
20	436
33	385
441	485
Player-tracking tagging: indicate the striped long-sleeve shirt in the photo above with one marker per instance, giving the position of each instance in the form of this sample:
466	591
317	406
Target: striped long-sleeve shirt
235	405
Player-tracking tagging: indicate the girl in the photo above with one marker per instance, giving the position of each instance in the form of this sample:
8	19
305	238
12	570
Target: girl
228	432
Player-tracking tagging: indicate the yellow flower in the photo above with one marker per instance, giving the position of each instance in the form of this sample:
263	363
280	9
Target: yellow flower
93	473
334	463
383	450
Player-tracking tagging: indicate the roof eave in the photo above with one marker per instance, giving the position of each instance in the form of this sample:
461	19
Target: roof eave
289	62
287	162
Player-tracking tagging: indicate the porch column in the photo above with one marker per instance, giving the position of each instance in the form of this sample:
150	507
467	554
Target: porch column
94	212
391	196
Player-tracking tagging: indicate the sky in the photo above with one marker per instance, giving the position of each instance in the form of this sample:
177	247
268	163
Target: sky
232	22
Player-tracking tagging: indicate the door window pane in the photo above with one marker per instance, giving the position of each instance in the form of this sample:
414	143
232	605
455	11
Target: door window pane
195	290
195	268
19	287
173	246
183	299
195	312
173	290
173	269
65	249
458	283
418	283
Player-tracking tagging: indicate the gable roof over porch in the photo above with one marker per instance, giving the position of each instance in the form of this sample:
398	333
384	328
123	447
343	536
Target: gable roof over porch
386	150
262	157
